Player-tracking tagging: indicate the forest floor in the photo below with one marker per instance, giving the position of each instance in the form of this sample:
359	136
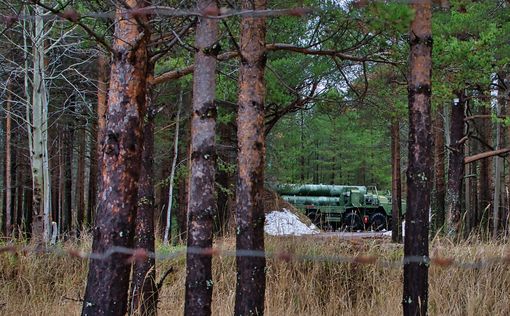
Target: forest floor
303	278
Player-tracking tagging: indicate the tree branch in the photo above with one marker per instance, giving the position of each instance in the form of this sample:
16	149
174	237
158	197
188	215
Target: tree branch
484	155
175	74
74	17
483	116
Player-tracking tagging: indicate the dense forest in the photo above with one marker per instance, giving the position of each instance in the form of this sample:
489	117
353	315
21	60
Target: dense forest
130	130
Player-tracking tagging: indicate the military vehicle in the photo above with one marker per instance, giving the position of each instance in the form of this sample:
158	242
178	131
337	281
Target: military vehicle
349	207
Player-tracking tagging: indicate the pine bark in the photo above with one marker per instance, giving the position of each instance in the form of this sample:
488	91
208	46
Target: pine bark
455	167
144	293
108	279
201	200
396	185
102	107
420	161
251	273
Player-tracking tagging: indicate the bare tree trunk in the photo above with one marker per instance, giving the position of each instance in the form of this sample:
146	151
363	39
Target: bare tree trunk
20	166
96	145
168	226
92	188
302	145
8	168
68	179
80	179
182	216
396	185
28	205
162	196
226	175
38	136
108	279
61	185
455	167
464	223
55	176
498	170
439	170
419	172
201	200
485	200
144	294
251	273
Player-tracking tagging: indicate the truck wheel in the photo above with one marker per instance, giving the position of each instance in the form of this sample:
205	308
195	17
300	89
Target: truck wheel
378	222
352	221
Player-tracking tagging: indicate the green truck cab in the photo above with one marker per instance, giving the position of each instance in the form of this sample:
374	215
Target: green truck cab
349	207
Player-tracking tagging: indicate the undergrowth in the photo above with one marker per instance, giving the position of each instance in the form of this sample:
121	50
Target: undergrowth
53	285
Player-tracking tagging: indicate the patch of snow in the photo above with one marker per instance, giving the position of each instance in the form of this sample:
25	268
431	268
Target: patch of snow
284	222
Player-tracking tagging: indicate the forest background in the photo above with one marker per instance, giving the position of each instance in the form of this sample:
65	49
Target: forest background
336	106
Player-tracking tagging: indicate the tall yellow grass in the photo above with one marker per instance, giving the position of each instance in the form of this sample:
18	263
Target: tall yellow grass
52	285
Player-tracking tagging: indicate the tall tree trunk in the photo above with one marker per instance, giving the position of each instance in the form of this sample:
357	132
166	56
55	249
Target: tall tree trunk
226	176
485	199
498	170
201	202
102	107
251	273
28	199
38	136
55	176
61	184
419	172
396	185
80	182
302	145
465	227
8	163
68	179
168	217
439	170
144	294
162	197
92	188
455	167
108	279
20	162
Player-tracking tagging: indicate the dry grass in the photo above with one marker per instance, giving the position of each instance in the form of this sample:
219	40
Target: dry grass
48	285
